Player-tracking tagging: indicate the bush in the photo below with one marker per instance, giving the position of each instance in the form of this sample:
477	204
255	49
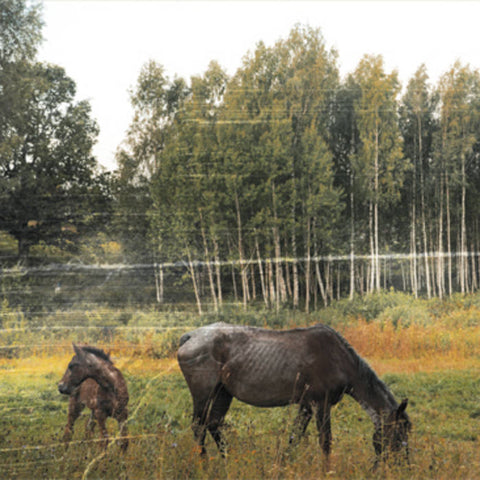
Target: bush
412	313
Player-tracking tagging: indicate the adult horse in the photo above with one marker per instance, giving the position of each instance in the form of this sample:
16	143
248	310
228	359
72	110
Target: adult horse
91	380
312	367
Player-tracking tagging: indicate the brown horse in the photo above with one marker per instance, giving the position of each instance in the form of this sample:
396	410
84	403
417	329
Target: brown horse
312	367
93	381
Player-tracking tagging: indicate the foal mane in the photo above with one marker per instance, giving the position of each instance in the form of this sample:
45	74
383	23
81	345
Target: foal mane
98	352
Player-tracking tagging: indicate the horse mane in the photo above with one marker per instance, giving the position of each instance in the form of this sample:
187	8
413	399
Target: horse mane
98	352
365	371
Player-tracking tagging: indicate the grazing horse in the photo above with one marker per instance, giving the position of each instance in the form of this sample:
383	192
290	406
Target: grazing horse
93	381
312	367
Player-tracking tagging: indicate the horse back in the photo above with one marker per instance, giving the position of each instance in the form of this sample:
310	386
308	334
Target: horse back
290	364
266	367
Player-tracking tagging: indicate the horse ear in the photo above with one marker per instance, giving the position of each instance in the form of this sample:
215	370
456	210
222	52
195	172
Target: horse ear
81	354
402	407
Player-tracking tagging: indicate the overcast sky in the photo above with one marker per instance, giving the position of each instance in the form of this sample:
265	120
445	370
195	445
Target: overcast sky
103	44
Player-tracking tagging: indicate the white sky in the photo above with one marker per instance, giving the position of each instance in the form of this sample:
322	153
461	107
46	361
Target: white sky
103	44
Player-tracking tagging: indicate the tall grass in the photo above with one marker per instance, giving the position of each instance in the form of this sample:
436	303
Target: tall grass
403	327
426	350
443	407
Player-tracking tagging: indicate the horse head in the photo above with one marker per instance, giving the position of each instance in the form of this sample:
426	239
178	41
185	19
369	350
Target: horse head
82	366
392	435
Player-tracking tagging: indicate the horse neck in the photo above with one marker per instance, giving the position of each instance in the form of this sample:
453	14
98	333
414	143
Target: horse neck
120	389
109	377
373	396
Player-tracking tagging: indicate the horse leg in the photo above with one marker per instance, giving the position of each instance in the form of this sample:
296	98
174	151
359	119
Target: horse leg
324	430
199	423
90	425
300	424
101	418
121	417
74	410
218	409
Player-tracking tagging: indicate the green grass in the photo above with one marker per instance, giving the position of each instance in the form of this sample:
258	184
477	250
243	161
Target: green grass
444	408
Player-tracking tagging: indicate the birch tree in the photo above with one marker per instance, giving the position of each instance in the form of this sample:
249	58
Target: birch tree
418	126
459	119
380	152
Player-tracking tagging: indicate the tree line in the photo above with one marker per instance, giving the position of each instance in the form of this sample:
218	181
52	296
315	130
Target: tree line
283	183
284	165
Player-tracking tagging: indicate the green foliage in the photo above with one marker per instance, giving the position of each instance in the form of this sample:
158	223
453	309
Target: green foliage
48	189
368	307
402	310
247	182
45	180
20	31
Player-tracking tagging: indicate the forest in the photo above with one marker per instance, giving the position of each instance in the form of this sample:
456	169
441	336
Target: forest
283	184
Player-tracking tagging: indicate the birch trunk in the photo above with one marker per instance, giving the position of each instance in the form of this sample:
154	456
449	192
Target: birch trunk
262	276
413	249
208	263
422	207
218	272
375	211
352	238
463	236
449	240
372	249
243	271
280	282
321	285
271	285
158	273
307	269
440	286
196	290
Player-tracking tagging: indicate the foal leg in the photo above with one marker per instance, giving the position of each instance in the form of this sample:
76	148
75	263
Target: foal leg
90	425
101	418
121	417
74	410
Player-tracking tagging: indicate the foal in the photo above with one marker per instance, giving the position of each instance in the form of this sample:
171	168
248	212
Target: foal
93	381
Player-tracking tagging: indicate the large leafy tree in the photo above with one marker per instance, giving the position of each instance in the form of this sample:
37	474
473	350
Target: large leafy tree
48	186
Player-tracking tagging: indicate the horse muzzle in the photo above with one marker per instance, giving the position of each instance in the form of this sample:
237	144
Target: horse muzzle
64	388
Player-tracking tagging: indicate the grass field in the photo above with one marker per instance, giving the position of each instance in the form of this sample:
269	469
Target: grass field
437	366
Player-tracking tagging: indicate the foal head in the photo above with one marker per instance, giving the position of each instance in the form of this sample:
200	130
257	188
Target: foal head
88	362
392	436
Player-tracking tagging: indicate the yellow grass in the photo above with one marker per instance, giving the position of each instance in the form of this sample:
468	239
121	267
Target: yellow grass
388	349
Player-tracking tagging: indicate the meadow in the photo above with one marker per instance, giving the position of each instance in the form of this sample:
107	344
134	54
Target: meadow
426	351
